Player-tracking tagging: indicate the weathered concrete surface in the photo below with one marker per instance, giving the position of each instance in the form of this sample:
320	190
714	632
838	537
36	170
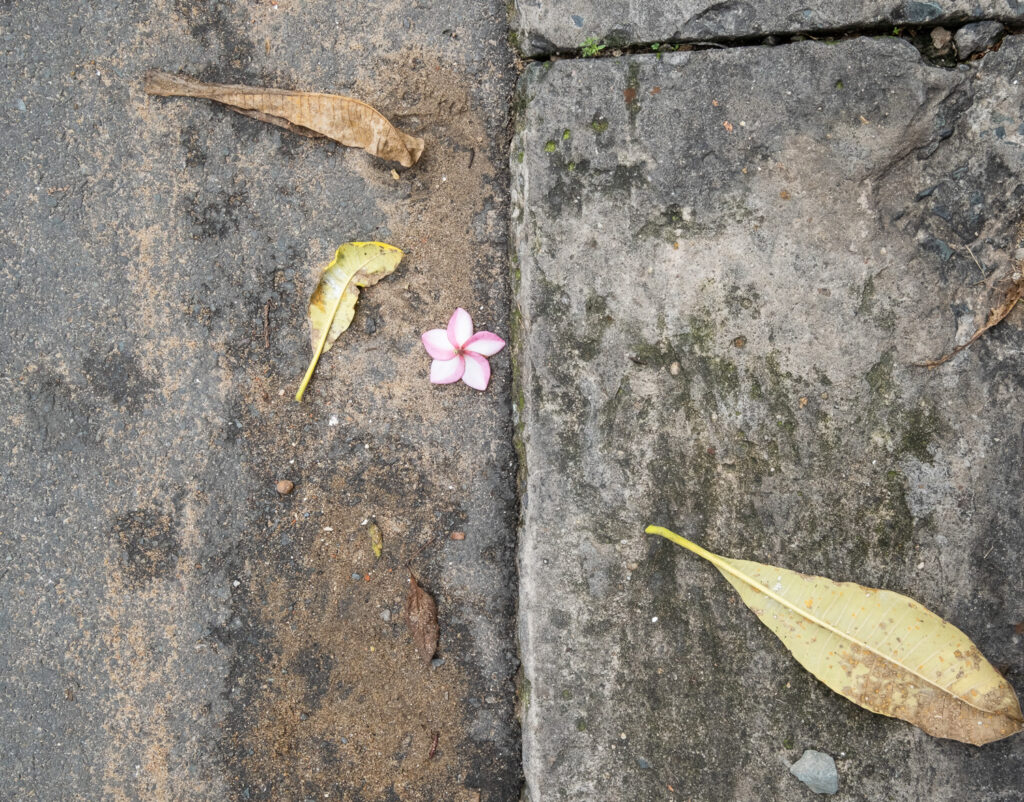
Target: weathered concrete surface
547	26
728	263
171	628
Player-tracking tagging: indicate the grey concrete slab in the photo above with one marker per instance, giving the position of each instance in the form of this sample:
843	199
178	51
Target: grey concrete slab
728	263
547	26
171	627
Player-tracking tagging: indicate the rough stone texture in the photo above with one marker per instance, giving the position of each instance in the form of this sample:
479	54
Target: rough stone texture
171	627
977	36
817	771
546	26
728	263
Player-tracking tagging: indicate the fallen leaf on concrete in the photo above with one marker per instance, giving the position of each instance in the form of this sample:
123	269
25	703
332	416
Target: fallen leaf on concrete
376	540
1011	297
879	649
343	119
421	618
333	303
995	316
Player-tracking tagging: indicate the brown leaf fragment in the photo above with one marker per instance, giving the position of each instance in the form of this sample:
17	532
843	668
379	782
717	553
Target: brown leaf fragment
421	618
343	119
996	315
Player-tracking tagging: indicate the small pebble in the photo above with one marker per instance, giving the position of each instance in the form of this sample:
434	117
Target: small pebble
357	576
942	40
437	662
817	771
385	615
284	486
458	535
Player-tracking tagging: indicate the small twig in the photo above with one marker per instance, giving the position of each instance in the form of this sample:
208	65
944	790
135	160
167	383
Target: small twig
435	737
973	257
266	325
995	316
408	563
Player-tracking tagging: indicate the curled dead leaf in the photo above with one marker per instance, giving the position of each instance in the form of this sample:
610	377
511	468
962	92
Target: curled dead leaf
421	618
343	119
333	303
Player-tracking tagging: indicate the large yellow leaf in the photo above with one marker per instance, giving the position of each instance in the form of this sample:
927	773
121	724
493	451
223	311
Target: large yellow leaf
877	648
333	303
343	119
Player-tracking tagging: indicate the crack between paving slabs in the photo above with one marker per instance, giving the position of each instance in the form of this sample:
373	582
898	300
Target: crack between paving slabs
918	35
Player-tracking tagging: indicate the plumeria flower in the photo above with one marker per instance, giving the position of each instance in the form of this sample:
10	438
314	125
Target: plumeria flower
459	353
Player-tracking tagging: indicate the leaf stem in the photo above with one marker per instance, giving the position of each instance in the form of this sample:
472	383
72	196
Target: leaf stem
682	541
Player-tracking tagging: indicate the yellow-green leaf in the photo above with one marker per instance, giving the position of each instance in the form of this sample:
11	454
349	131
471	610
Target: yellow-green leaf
376	540
333	303
879	649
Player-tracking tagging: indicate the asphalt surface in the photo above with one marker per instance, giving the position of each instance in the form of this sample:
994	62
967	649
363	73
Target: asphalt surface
170	626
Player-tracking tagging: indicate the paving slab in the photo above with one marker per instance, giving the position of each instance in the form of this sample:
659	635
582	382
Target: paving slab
170	626
728	264
549	26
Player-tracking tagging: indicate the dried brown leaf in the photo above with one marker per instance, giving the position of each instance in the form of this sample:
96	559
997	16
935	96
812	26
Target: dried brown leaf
421	618
343	119
997	314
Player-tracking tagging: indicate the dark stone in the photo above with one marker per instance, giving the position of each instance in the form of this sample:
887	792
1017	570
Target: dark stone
977	36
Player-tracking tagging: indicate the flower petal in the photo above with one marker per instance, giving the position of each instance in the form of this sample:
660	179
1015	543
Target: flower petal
485	343
460	327
447	371
437	345
478	371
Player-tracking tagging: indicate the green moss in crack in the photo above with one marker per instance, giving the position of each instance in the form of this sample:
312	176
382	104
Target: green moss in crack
702	332
672	224
523	692
920	426
867	296
879	377
632	92
894	522
599	124
779	395
550	146
588	343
